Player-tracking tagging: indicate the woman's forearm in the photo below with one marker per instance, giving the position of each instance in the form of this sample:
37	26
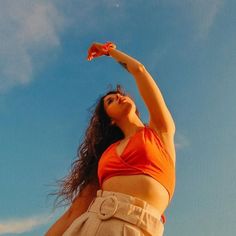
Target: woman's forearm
78	207
60	226
128	62
76	210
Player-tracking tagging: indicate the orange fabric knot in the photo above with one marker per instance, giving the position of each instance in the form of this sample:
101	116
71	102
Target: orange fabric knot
97	50
107	46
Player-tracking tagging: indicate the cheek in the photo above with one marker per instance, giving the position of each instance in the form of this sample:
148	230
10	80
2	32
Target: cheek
115	110
111	111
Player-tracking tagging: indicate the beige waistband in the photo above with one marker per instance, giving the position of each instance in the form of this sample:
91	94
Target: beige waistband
127	208
132	200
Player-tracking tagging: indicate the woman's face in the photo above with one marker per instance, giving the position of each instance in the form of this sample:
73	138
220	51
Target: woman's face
118	106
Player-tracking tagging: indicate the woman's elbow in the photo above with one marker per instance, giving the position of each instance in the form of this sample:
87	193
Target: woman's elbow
138	69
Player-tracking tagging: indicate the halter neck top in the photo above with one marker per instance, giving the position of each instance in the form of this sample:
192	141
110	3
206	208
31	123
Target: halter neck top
143	154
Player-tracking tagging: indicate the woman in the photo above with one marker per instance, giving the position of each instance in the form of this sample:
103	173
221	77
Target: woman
125	177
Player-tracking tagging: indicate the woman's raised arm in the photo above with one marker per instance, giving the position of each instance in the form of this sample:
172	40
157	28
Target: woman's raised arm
159	114
149	91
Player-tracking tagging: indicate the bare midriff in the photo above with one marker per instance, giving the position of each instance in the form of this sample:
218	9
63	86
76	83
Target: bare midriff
140	186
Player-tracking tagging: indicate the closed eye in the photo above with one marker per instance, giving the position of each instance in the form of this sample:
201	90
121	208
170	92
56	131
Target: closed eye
109	101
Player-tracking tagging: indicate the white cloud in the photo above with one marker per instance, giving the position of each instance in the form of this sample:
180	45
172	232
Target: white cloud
205	12
17	226
26	28
181	141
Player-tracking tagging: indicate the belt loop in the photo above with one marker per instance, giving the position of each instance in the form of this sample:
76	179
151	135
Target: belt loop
140	219
140	203
99	193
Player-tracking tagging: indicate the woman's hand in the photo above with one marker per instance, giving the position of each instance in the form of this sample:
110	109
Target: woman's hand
98	49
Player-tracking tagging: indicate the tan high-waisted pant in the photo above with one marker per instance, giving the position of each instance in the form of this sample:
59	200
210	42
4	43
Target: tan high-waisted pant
117	214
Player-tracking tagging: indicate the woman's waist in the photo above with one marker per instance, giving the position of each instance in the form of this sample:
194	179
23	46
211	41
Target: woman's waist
110	204
140	186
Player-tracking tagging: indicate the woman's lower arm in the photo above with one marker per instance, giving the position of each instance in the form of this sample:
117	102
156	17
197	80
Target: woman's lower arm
60	226
77	208
128	62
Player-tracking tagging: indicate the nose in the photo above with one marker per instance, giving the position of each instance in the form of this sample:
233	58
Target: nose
118	97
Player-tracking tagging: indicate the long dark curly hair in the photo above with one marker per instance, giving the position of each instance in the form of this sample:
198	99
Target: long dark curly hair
98	136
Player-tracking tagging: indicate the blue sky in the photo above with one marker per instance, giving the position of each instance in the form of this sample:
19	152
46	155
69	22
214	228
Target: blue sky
47	87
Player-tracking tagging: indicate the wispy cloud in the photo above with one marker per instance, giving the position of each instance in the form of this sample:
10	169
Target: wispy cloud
205	13
18	226
181	141
200	13
27	28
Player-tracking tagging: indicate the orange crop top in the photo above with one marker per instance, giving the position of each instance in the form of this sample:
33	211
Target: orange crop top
143	154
